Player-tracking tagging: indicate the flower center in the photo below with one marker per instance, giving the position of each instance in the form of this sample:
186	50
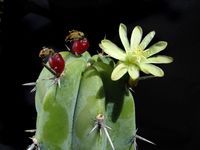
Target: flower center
134	57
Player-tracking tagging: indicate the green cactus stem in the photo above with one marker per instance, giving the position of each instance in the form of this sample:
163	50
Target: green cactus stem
88	111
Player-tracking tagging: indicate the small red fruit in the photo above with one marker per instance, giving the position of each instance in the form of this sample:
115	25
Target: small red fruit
57	63
80	46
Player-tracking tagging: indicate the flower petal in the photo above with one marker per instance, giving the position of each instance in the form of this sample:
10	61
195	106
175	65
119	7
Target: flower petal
155	48
152	69
147	39
136	37
123	36
160	59
119	71
113	50
133	72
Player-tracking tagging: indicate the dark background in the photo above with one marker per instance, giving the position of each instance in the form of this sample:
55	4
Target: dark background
167	109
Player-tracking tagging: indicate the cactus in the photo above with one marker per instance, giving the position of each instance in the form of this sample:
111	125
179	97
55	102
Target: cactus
89	106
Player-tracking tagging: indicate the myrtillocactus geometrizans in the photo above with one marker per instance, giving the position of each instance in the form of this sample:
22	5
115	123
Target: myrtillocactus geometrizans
84	101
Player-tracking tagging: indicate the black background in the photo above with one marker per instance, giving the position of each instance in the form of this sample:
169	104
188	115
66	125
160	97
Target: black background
167	109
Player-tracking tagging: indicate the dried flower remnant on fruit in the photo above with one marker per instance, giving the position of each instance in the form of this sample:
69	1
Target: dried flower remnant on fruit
55	60
136	57
56	63
46	52
74	35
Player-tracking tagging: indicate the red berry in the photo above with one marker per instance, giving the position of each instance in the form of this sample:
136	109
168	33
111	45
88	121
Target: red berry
80	46
57	63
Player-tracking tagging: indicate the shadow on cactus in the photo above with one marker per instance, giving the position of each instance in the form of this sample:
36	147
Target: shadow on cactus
85	102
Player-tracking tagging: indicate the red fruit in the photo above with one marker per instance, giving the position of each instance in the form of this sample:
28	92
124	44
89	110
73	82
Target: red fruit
57	63
80	46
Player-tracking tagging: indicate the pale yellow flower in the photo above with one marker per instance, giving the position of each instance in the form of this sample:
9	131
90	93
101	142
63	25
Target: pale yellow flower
137	56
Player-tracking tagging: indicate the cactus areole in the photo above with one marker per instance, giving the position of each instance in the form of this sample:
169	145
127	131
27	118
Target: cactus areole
92	108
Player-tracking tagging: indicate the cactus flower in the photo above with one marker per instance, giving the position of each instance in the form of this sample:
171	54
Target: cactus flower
136	57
